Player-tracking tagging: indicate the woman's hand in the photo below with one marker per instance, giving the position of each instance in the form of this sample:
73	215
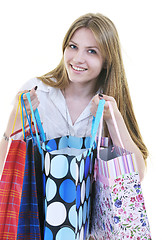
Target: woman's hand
34	99
127	141
106	112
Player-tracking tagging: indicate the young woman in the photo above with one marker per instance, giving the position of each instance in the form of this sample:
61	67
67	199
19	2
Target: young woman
67	97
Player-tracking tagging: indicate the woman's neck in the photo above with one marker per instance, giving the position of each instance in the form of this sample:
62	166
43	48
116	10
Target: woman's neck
79	91
77	98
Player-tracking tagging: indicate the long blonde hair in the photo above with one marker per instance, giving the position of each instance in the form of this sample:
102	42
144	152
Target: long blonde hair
112	80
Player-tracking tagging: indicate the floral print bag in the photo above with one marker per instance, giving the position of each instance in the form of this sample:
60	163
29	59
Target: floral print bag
118	208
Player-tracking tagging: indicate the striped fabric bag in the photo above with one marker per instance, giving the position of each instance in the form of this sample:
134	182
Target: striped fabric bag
118	209
29	222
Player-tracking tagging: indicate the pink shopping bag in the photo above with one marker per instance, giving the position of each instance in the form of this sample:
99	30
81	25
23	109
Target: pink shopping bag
118	208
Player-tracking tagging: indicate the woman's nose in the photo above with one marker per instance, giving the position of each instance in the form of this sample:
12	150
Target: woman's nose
79	57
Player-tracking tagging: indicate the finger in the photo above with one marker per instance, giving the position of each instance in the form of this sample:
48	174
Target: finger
34	107
106	97
96	99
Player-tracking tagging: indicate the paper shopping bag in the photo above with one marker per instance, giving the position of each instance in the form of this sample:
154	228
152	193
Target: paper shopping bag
118	208
68	173
30	224
11	188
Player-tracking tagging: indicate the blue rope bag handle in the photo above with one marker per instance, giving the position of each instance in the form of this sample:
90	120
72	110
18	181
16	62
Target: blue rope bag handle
35	124
96	121
28	118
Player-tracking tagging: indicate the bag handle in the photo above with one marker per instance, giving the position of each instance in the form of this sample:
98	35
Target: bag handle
98	122
115	126
34	120
21	115
37	118
39	124
27	116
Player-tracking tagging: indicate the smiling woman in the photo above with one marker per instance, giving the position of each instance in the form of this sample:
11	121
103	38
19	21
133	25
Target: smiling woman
111	79
67	97
83	62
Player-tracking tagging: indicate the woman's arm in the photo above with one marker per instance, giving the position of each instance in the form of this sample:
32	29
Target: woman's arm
125	136
8	131
4	142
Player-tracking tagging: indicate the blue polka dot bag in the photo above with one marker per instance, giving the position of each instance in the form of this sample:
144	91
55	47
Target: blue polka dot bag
68	176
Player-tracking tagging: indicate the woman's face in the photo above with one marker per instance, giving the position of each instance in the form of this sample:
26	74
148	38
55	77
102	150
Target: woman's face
82	57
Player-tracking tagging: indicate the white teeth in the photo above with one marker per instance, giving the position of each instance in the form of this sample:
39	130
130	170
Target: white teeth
78	69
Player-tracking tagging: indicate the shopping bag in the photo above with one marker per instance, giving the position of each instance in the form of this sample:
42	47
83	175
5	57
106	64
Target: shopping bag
29	226
11	188
68	171
118	208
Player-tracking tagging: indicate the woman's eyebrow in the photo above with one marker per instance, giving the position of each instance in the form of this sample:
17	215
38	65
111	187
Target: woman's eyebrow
71	41
93	47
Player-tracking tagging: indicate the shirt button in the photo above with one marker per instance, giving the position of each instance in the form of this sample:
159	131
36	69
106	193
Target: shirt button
72	132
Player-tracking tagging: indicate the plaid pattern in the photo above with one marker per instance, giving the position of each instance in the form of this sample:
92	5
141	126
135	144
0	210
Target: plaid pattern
28	225
11	189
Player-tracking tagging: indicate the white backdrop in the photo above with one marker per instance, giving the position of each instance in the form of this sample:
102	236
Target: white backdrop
30	45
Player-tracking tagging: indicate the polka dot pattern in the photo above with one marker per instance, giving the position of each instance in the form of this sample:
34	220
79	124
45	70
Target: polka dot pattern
60	214
51	189
59	166
68	181
65	233
67	191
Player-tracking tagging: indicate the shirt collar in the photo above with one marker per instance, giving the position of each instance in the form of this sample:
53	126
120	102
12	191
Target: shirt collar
58	99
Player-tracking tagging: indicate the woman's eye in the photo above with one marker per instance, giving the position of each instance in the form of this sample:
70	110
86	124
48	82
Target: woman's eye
72	46
92	51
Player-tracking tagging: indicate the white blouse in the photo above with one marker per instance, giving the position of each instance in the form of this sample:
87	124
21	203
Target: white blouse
54	112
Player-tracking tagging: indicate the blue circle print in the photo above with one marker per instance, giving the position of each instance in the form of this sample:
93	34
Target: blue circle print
63	143
74	169
85	230
75	142
84	212
78	197
92	162
65	233
48	234
82	170
59	166
51	145
89	207
73	216
88	185
80	217
87	164
67	190
51	189
87	142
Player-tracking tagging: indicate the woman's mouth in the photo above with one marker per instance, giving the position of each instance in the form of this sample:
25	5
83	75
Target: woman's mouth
80	69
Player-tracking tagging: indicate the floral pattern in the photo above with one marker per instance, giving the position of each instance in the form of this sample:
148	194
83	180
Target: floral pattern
119	211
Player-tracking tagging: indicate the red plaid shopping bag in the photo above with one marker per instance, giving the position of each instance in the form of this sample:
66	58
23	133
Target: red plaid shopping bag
11	189
11	185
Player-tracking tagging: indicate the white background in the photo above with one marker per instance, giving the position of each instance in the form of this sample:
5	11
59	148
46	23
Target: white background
31	34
